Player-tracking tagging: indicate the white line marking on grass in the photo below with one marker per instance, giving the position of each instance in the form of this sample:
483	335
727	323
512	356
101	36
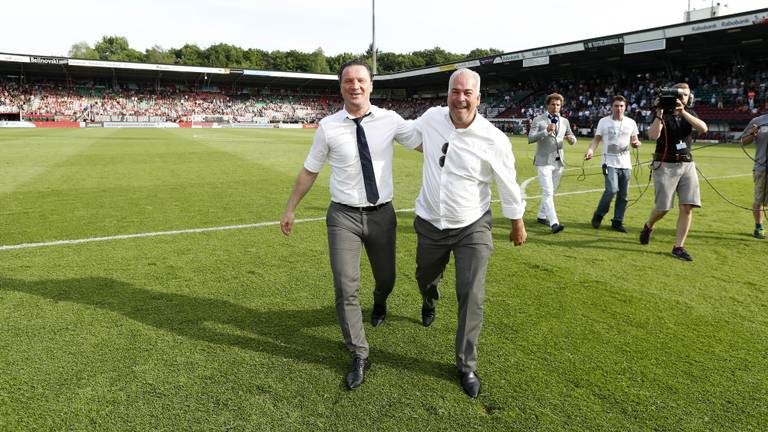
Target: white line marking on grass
149	234
257	225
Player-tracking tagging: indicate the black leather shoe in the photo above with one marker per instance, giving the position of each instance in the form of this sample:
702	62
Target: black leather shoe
470	382
427	316
618	227
379	314
556	228
356	376
596	221
543	221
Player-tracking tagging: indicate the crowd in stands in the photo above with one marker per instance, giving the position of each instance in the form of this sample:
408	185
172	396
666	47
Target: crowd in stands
723	93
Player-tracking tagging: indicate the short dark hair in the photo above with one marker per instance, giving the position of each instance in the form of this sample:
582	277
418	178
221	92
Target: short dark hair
619	98
355	62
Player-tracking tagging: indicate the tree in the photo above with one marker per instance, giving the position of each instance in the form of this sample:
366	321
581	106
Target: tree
157	54
256	58
82	50
482	52
436	56
389	62
189	54
116	48
318	62
335	62
224	55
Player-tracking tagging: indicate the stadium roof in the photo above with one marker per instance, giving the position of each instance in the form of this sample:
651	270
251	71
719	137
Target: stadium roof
736	38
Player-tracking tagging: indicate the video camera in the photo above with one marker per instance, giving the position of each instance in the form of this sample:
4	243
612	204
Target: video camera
668	97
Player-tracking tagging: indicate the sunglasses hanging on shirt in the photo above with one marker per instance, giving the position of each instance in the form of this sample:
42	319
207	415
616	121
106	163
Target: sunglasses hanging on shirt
441	161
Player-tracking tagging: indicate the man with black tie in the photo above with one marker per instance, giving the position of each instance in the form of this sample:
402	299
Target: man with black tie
548	131
357	142
463	154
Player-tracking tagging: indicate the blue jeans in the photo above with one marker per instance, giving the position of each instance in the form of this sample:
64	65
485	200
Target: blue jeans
616	182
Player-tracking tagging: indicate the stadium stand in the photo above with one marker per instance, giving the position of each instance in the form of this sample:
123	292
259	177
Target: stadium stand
722	58
720	96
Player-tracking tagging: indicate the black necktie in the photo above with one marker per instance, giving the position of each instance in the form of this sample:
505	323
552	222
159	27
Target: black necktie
369	178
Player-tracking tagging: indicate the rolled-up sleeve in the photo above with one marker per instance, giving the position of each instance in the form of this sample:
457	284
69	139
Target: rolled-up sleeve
318	153
503	164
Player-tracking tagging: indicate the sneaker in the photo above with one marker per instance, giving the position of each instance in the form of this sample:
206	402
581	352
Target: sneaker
645	235
556	228
596	221
681	253
543	221
618	226
759	233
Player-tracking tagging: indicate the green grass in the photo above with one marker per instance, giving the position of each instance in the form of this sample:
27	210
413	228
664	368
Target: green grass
235	330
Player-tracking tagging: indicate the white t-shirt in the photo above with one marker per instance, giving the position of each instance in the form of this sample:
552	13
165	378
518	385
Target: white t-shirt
616	135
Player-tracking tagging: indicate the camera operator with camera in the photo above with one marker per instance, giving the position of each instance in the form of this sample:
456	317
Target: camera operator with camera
673	168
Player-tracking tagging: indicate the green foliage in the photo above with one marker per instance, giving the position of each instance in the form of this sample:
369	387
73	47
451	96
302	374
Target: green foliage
225	55
189	54
158	55
482	52
335	62
585	330
116	48
436	56
82	50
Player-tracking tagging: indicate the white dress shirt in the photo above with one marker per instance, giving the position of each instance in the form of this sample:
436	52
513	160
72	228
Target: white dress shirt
459	193
336	142
616	135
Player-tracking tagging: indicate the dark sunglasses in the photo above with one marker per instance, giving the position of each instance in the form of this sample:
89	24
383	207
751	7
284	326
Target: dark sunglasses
441	161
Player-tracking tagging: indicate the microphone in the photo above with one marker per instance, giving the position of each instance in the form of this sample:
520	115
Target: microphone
554	119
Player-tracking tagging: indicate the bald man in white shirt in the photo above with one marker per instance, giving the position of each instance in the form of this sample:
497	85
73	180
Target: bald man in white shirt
357	142
463	154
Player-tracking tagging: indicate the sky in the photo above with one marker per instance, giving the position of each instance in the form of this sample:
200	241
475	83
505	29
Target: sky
402	26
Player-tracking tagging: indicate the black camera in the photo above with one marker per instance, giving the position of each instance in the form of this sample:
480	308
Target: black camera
668	97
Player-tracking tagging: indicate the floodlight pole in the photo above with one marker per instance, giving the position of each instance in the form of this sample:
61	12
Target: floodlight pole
373	27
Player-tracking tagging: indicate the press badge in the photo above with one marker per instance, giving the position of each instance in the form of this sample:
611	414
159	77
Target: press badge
680	145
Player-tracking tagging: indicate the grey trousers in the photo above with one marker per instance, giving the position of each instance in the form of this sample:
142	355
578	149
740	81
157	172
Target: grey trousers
348	231
471	247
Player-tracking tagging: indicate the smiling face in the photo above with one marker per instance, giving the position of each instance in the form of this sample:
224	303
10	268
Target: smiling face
356	87
463	99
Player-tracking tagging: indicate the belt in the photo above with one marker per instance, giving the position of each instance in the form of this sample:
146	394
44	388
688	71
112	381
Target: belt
366	209
673	158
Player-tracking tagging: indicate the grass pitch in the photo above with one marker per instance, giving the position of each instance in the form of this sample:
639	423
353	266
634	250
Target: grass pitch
235	329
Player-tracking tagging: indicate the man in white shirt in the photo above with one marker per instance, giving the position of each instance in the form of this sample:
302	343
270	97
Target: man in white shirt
548	131
357	142
617	133
463	154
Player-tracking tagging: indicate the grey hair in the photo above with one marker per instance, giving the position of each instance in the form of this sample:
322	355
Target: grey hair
462	71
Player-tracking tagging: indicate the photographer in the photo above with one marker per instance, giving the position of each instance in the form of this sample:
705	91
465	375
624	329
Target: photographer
757	132
673	168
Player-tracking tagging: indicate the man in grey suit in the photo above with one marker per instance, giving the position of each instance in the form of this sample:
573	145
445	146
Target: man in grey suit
357	142
548	131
